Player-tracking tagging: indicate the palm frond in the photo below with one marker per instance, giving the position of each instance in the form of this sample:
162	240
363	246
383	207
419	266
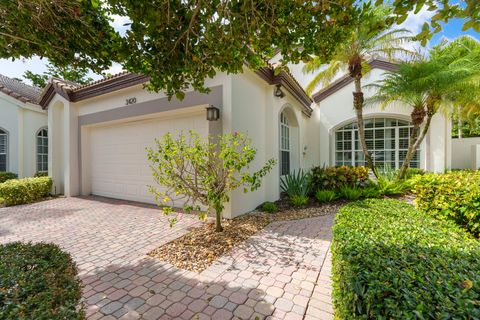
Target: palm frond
325	77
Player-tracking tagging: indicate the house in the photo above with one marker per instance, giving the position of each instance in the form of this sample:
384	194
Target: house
23	129
98	132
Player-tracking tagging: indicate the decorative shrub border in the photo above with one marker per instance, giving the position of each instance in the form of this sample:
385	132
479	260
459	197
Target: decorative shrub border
451	196
38	281
391	261
20	191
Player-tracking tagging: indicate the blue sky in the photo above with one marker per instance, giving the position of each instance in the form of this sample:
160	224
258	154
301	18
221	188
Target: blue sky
413	23
452	30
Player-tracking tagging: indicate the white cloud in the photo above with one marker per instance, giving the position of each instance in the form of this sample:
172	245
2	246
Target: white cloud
120	24
414	24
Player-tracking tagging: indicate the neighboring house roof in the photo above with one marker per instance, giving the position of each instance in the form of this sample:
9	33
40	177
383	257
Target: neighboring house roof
74	92
346	79
19	90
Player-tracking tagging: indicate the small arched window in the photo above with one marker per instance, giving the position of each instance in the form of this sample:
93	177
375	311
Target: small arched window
42	150
284	145
3	150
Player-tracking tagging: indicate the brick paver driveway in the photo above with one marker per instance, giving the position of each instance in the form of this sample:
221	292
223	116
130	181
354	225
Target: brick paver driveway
280	273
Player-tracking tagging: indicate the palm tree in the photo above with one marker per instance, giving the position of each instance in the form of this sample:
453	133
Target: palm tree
449	78
372	38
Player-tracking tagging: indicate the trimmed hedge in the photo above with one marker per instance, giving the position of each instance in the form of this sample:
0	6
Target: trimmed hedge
5	176
20	191
451	196
38	281
334	178
391	261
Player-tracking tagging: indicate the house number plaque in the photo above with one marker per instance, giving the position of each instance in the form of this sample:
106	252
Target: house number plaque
131	101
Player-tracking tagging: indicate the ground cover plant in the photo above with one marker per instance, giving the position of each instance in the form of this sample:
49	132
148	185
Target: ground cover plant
38	281
391	261
451	196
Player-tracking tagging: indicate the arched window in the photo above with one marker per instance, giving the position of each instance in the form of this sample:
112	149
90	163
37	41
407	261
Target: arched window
3	150
284	145
387	142
42	150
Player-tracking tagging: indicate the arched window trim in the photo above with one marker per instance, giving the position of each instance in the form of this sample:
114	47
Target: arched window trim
41	159
284	144
4	146
387	140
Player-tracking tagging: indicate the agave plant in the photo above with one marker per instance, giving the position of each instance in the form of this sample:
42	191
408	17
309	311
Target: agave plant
296	183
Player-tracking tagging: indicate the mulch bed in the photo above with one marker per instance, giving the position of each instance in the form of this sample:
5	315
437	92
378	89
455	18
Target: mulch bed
199	248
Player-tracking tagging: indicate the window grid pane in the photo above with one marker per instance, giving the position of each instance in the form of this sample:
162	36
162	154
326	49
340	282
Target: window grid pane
381	140
42	151
3	150
284	145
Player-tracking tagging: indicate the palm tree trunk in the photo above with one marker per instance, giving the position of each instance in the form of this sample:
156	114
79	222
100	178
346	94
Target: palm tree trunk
459	122
358	106
413	145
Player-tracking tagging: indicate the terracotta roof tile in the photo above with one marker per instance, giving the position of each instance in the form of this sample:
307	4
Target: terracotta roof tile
19	90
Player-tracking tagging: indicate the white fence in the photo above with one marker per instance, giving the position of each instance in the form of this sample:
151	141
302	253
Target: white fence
466	153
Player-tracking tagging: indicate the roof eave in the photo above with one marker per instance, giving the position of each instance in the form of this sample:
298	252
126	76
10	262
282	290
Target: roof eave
346	79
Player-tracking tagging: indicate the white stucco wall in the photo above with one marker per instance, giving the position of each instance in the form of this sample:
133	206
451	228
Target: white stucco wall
22	122
464	153
256	112
337	110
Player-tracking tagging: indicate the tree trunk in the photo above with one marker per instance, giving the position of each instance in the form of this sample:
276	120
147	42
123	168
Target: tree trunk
218	220
413	145
358	106
459	122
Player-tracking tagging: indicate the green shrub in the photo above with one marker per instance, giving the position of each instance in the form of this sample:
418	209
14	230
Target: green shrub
38	281
391	261
411	172
451	196
371	191
388	183
296	184
5	176
41	174
336	177
299	201
269	207
20	191
350	193
325	195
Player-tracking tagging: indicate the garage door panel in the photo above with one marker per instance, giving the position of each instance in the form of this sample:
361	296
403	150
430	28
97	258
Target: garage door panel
119	165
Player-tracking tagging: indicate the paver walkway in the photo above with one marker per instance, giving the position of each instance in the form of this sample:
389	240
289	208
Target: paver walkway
283	272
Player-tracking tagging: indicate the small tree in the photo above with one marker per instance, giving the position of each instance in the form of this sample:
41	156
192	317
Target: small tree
200	171
75	74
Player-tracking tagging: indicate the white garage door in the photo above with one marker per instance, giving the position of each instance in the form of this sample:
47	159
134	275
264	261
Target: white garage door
119	167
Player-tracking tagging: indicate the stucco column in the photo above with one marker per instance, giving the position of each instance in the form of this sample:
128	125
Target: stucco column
56	144
21	160
70	151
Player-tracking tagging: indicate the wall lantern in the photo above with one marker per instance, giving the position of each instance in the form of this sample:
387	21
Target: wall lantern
213	113
278	91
